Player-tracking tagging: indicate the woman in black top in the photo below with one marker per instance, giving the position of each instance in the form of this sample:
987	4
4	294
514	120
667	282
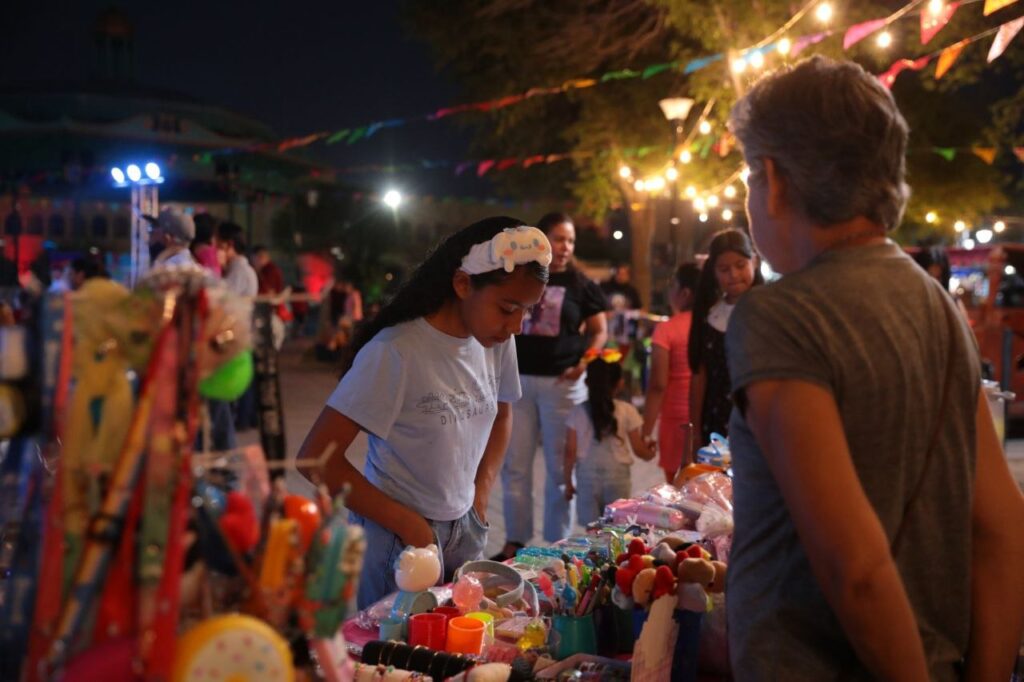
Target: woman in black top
729	271
567	322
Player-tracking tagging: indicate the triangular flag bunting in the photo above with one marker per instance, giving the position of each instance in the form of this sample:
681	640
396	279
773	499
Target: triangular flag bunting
889	77
995	5
806	41
859	32
986	154
932	23
948	56
948	153
1007	32
483	167
505	164
1019	153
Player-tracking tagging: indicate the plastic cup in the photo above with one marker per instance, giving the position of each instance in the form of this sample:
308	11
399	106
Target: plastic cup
428	629
485	618
576	635
392	628
465	635
448	611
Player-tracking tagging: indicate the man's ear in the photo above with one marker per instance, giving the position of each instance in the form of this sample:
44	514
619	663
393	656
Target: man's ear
778	201
462	284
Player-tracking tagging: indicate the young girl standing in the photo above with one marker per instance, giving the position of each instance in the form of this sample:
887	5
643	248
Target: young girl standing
431	383
668	393
729	272
602	437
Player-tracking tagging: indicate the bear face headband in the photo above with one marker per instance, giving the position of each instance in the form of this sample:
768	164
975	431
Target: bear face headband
511	247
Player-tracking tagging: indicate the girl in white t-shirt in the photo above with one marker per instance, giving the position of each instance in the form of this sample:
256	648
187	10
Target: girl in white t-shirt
431	383
602	439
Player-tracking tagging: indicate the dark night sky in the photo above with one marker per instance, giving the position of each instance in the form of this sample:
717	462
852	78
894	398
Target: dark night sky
298	66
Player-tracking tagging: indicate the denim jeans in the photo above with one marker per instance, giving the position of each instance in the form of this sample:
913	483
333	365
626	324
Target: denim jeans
460	541
597	485
539	416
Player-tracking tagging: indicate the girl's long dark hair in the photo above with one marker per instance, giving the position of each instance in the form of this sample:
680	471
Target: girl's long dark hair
708	293
602	379
430	285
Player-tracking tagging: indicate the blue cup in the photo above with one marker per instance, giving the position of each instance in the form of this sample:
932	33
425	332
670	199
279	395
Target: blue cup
393	628
576	635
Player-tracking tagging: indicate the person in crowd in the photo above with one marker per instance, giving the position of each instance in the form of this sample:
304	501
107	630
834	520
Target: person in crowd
431	383
568	322
935	261
619	290
174	230
341	311
270	282
203	249
729	272
82	270
879	533
239	277
668	391
602	439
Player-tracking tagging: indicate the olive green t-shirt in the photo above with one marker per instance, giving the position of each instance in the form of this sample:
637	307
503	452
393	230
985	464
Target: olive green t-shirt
874	330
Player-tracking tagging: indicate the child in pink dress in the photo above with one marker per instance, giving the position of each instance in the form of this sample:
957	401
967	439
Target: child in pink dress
668	391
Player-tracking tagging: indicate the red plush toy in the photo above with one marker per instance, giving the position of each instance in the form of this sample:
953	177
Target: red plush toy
636	546
664	582
626	574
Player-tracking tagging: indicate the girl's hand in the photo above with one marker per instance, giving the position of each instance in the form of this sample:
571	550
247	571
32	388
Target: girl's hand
573	373
651	444
418	533
570	491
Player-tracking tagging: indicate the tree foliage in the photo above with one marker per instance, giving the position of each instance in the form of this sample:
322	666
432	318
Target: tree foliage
500	47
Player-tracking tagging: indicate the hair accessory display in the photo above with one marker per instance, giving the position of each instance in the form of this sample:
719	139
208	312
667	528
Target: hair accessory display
511	247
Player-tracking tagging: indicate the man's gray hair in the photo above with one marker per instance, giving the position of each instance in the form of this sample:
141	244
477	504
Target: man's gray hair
835	134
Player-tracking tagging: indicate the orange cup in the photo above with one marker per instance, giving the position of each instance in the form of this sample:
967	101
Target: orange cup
465	635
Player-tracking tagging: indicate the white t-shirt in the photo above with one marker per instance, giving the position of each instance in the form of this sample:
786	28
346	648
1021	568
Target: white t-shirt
610	448
718	316
240	278
428	401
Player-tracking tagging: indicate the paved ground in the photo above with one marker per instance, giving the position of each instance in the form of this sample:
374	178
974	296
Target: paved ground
306	385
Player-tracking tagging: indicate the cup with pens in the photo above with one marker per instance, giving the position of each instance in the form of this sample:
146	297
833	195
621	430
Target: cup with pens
574	599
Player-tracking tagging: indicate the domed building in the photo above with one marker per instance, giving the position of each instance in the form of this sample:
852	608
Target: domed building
60	141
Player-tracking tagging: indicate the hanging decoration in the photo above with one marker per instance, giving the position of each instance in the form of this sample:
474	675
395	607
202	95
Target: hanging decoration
995	5
933	22
1019	153
948	153
986	154
859	32
948	56
1007	32
889	77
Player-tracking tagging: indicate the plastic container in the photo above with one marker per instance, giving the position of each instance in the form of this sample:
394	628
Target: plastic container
485	618
576	635
465	636
392	628
429	630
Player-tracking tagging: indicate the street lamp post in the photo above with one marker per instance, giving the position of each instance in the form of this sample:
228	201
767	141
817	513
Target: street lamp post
143	182
675	109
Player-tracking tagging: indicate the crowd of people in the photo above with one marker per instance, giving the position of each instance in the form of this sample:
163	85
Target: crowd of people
878	532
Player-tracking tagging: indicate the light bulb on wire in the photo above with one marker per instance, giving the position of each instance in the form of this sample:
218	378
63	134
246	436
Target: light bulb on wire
935	7
739	65
639	186
726	214
931	217
823	12
672	174
729	192
884	39
686	156
624	172
712	200
704	127
690	192
999	226
703	217
784	46
756	60
700	205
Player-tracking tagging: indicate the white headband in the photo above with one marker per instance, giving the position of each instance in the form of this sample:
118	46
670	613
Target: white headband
511	247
